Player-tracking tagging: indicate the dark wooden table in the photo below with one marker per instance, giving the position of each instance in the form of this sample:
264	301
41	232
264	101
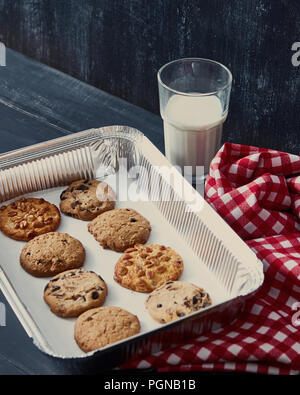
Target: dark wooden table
38	103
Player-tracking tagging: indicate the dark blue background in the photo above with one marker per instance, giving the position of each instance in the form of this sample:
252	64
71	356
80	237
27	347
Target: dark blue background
118	46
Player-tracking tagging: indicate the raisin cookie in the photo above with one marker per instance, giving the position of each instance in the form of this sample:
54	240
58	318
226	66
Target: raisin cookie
27	218
143	268
73	292
99	327
52	253
120	229
81	199
176	299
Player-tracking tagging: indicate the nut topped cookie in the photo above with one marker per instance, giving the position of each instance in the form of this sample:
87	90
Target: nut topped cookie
86	199
120	229
143	268
27	218
96	328
176	299
52	253
75	291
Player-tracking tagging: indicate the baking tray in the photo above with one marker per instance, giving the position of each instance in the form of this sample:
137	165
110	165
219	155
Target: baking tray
215	258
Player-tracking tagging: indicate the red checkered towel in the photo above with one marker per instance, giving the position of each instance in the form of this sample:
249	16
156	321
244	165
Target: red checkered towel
257	191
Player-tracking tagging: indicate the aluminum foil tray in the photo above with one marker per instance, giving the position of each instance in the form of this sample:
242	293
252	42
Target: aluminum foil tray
215	258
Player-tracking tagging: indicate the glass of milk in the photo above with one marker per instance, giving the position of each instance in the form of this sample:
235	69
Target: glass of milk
194	98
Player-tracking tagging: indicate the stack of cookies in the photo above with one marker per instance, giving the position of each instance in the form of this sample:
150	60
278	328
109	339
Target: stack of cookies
75	292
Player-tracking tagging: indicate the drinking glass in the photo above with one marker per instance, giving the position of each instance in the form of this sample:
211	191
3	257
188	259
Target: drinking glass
194	98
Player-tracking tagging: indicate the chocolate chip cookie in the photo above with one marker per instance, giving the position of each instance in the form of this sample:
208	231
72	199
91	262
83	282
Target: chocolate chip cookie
86	199
176	299
52	253
73	292
27	218
120	229
143	268
96	328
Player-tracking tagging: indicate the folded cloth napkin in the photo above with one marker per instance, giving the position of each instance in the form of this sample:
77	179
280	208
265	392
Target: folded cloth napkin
257	191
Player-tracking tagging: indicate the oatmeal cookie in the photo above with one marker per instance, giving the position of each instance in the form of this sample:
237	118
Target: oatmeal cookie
52	253
96	328
120	229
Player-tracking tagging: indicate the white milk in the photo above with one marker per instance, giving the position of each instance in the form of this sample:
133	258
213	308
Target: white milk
193	130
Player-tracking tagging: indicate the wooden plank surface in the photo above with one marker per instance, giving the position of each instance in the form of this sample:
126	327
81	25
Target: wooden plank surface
38	103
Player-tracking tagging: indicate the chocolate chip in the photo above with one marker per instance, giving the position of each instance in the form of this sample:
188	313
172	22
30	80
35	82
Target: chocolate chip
99	288
159	305
74	205
82	188
55	289
85	181
55	279
187	303
89	319
62	195
95	295
40	261
195	299
205	304
28	253
180	314
133	220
